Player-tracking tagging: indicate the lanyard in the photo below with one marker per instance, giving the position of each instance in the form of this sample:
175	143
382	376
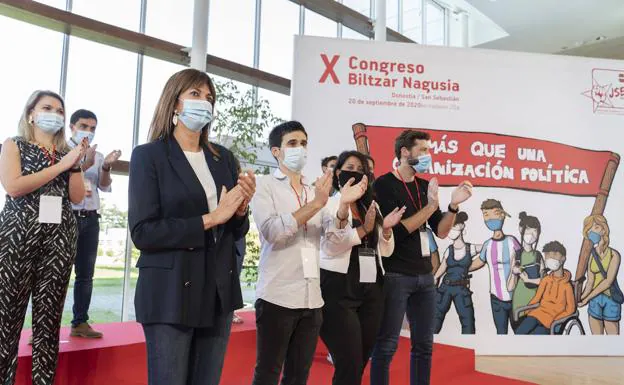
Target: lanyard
410	193
305	202
357	217
51	158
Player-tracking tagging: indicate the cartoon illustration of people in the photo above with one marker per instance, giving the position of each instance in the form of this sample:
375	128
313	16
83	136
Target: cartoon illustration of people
498	253
602	291
455	283
528	268
554	299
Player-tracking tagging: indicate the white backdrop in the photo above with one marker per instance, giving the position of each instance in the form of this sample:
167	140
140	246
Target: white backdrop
527	95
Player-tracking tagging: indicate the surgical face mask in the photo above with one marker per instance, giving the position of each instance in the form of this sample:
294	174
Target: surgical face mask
424	161
49	122
80	135
196	114
454	234
594	237
494	224
552	264
295	158
529	238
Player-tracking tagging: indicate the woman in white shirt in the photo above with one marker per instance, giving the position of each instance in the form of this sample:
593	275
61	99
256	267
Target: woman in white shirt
351	280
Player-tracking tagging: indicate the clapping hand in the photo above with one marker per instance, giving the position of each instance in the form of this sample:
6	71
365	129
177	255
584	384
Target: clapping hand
322	188
432	193
89	158
111	158
369	219
229	203
247	182
461	194
393	218
73	157
350	193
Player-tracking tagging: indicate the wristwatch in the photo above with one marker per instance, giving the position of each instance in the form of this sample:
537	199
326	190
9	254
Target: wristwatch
106	169
75	169
450	209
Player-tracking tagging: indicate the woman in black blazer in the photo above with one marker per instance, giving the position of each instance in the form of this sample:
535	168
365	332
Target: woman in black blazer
187	206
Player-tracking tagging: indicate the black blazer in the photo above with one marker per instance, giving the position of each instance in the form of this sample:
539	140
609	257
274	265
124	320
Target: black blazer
187	276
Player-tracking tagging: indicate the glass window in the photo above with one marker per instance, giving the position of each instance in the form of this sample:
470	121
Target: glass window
412	20
362	6
61	4
231	30
436	24
171	21
36	57
280	23
281	105
392	14
122	13
317	25
348	33
106	87
155	75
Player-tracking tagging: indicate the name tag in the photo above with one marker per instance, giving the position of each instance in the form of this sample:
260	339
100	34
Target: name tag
425	247
368	265
50	209
310	262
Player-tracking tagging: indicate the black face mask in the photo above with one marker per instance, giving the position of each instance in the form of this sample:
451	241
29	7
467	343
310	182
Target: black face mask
344	177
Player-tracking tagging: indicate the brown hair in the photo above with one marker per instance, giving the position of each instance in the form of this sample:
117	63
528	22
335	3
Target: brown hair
25	128
407	139
162	123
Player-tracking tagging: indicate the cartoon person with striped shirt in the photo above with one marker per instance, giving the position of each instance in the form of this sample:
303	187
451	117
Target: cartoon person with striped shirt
499	253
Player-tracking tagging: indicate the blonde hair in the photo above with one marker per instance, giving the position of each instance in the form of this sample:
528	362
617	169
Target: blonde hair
601	221
162	123
26	128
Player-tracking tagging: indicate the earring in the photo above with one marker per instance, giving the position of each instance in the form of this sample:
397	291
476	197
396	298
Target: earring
31	121
174	120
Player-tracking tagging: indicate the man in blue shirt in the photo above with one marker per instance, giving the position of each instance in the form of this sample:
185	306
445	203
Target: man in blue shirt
97	176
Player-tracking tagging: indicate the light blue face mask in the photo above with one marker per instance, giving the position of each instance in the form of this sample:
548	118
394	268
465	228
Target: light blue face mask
49	122
80	135
424	161
594	237
196	114
494	224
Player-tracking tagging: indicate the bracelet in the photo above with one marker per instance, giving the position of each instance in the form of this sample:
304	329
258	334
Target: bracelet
75	169
450	209
341	219
107	169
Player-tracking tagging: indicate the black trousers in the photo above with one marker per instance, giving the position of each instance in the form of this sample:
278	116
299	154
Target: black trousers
352	317
285	338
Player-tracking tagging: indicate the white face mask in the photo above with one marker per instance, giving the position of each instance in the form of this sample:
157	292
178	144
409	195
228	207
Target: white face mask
552	264
454	234
529	238
295	158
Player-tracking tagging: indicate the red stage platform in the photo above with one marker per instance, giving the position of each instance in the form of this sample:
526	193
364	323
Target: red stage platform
119	359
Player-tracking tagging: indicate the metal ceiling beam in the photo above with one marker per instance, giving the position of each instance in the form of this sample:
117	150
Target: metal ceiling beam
350	18
605	49
59	20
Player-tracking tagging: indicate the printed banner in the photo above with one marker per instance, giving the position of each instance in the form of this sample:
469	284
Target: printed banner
495	160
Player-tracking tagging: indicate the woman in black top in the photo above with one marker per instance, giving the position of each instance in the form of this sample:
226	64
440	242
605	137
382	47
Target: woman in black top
187	207
351	279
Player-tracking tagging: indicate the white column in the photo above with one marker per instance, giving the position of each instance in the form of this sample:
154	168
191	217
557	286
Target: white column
380	20
465	29
200	34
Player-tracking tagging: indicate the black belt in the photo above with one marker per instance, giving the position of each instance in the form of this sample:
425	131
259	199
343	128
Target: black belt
86	213
464	282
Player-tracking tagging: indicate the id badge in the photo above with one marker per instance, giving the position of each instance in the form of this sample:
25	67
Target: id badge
368	265
310	261
425	249
50	209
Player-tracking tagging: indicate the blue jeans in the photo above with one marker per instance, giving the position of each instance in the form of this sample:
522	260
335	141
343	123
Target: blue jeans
502	314
416	296
461	297
183	355
531	325
86	254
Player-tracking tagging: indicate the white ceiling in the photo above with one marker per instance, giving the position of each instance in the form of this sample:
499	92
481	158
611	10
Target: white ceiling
550	26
